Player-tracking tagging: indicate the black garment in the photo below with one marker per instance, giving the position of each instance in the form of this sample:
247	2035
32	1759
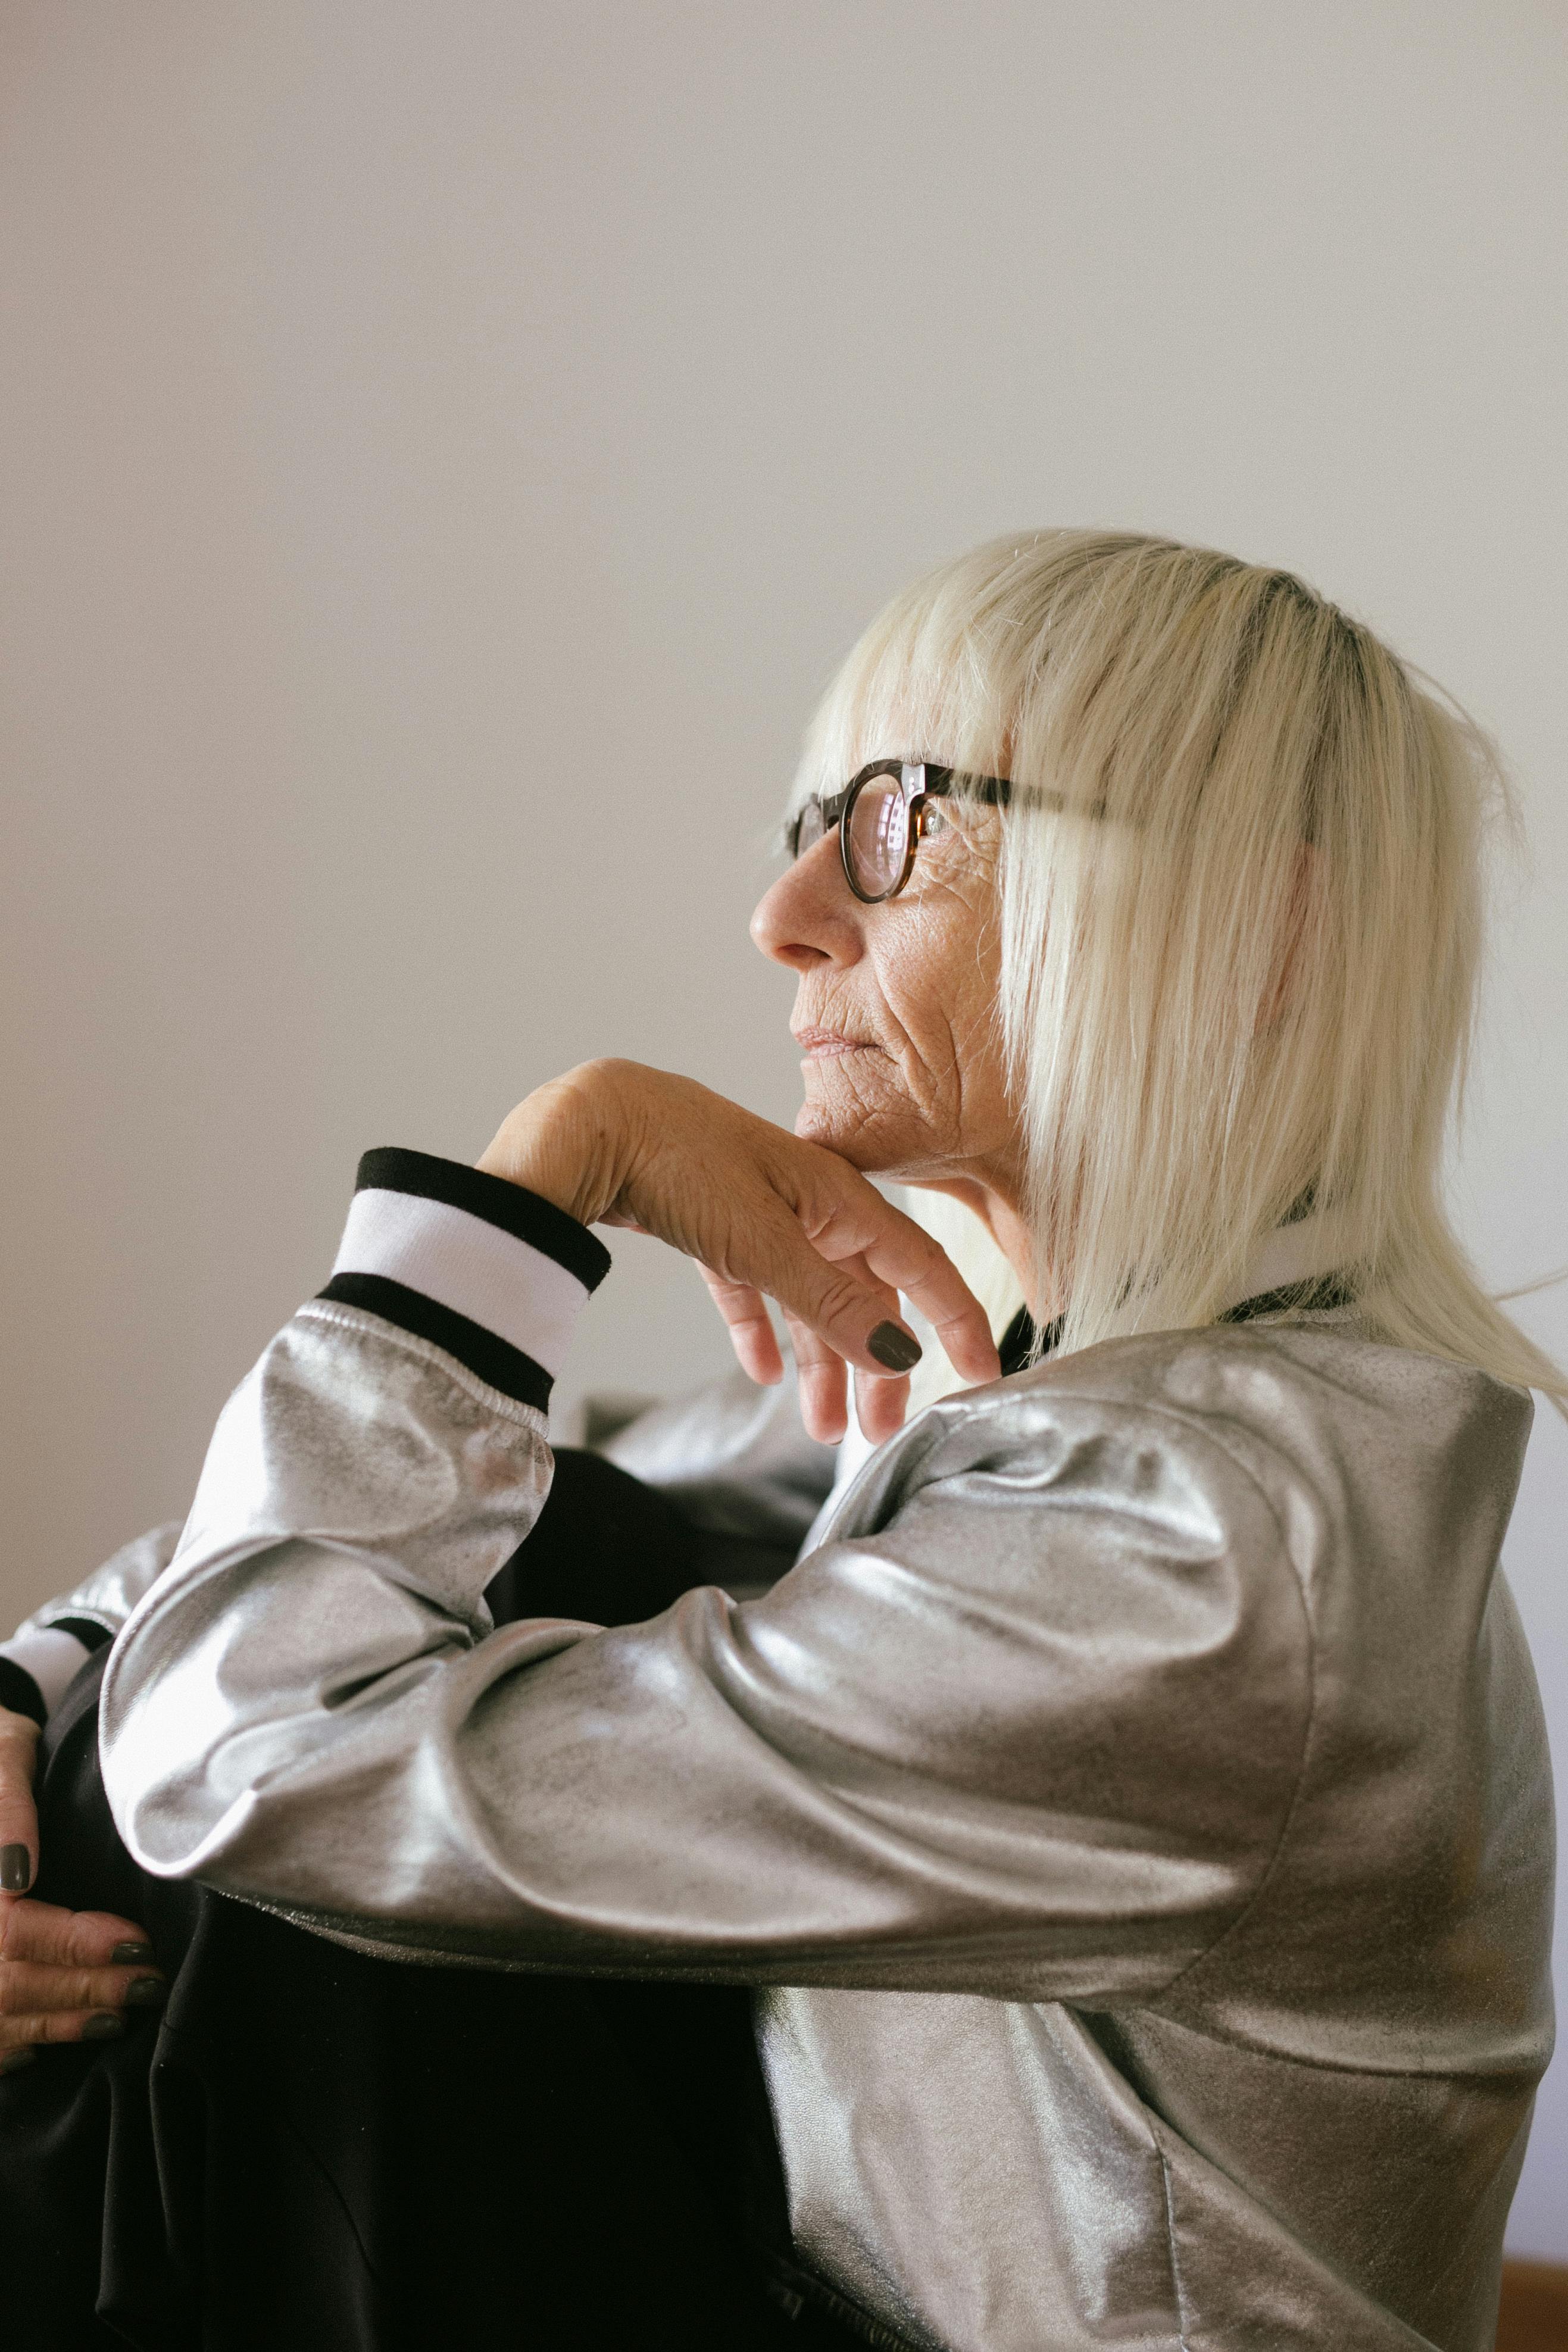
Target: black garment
314	2152
1017	1348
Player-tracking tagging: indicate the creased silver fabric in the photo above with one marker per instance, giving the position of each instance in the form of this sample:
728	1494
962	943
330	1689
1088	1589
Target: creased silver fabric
107	1596
1134	1814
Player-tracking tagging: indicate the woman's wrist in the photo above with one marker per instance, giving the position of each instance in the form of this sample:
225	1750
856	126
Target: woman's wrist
568	1143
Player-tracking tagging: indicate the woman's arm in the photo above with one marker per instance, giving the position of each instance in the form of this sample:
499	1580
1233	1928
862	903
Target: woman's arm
50	1647
929	1757
62	1973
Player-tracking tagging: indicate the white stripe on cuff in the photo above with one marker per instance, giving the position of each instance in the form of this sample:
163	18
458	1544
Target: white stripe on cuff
51	1655
504	1283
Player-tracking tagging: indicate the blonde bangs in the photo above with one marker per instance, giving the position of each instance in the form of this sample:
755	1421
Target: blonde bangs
934	675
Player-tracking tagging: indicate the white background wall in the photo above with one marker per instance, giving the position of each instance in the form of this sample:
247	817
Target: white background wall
445	447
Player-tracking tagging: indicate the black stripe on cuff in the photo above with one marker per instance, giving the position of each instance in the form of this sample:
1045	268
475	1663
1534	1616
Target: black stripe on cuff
496	1360
21	1693
85	1629
538	1223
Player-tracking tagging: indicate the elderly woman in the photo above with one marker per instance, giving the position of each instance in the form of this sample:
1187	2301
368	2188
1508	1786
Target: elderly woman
1130	1815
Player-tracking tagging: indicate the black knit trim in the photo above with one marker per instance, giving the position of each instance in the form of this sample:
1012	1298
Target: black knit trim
538	1223
1016	1348
494	1361
20	1693
85	1629
1315	1295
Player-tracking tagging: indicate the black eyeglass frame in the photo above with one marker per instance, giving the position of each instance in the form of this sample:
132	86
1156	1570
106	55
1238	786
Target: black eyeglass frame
923	781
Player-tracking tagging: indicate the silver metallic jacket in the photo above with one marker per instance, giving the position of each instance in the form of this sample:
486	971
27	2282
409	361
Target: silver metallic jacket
1133	1812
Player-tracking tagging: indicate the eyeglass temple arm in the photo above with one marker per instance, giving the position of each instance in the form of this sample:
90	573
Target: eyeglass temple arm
994	791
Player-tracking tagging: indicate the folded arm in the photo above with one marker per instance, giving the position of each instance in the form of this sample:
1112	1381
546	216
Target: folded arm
1002	1732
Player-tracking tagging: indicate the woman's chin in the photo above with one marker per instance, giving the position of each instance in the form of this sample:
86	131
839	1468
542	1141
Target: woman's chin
825	1123
869	1141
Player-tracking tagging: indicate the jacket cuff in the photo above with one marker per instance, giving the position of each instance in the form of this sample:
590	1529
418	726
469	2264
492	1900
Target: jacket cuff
37	1668
492	1275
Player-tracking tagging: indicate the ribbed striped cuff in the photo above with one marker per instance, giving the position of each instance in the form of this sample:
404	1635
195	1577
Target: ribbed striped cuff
37	1668
491	1274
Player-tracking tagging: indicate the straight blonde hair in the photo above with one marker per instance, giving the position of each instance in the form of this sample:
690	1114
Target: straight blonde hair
1241	886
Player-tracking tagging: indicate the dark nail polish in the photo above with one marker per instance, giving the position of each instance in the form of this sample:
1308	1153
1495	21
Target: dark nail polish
15	1869
104	2027
899	1350
143	1992
15	2059
128	1956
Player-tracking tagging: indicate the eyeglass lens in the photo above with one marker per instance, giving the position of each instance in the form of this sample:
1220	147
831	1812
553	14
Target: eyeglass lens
877	836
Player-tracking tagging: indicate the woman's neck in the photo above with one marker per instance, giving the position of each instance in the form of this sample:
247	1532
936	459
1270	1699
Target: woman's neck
998	1210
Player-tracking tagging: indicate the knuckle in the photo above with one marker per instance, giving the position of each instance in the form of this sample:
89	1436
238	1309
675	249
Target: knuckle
841	1296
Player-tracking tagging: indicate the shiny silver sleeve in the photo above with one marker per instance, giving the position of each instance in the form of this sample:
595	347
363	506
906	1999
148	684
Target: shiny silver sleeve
1028	1723
51	1646
107	1596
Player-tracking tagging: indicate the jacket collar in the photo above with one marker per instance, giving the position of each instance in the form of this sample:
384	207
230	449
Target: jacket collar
1295	1269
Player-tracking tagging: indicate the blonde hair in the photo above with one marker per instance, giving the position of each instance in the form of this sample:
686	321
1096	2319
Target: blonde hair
1241	902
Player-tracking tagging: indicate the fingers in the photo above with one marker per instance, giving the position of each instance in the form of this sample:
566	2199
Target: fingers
751	1333
881	1402
28	1989
33	2032
820	1287
820	1384
47	1934
821	1378
881	1406
68	1975
906	1258
852	1314
18	1814
850	1227
865	1304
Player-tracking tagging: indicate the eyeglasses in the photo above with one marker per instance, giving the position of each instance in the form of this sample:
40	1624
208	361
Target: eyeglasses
883	814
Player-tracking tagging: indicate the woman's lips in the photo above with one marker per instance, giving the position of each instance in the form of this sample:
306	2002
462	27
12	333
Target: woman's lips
823	1045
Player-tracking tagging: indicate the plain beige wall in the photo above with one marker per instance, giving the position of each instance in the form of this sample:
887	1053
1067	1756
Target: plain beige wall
444	448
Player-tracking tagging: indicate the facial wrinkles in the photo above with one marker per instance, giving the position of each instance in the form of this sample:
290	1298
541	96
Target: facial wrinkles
881	994
921	991
973	1041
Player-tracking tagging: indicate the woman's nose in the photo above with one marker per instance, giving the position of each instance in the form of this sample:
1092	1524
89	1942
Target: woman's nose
808	916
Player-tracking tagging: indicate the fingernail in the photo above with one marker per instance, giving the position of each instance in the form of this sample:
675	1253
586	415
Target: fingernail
104	2027
126	1956
15	2059
142	1991
894	1347
15	1869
